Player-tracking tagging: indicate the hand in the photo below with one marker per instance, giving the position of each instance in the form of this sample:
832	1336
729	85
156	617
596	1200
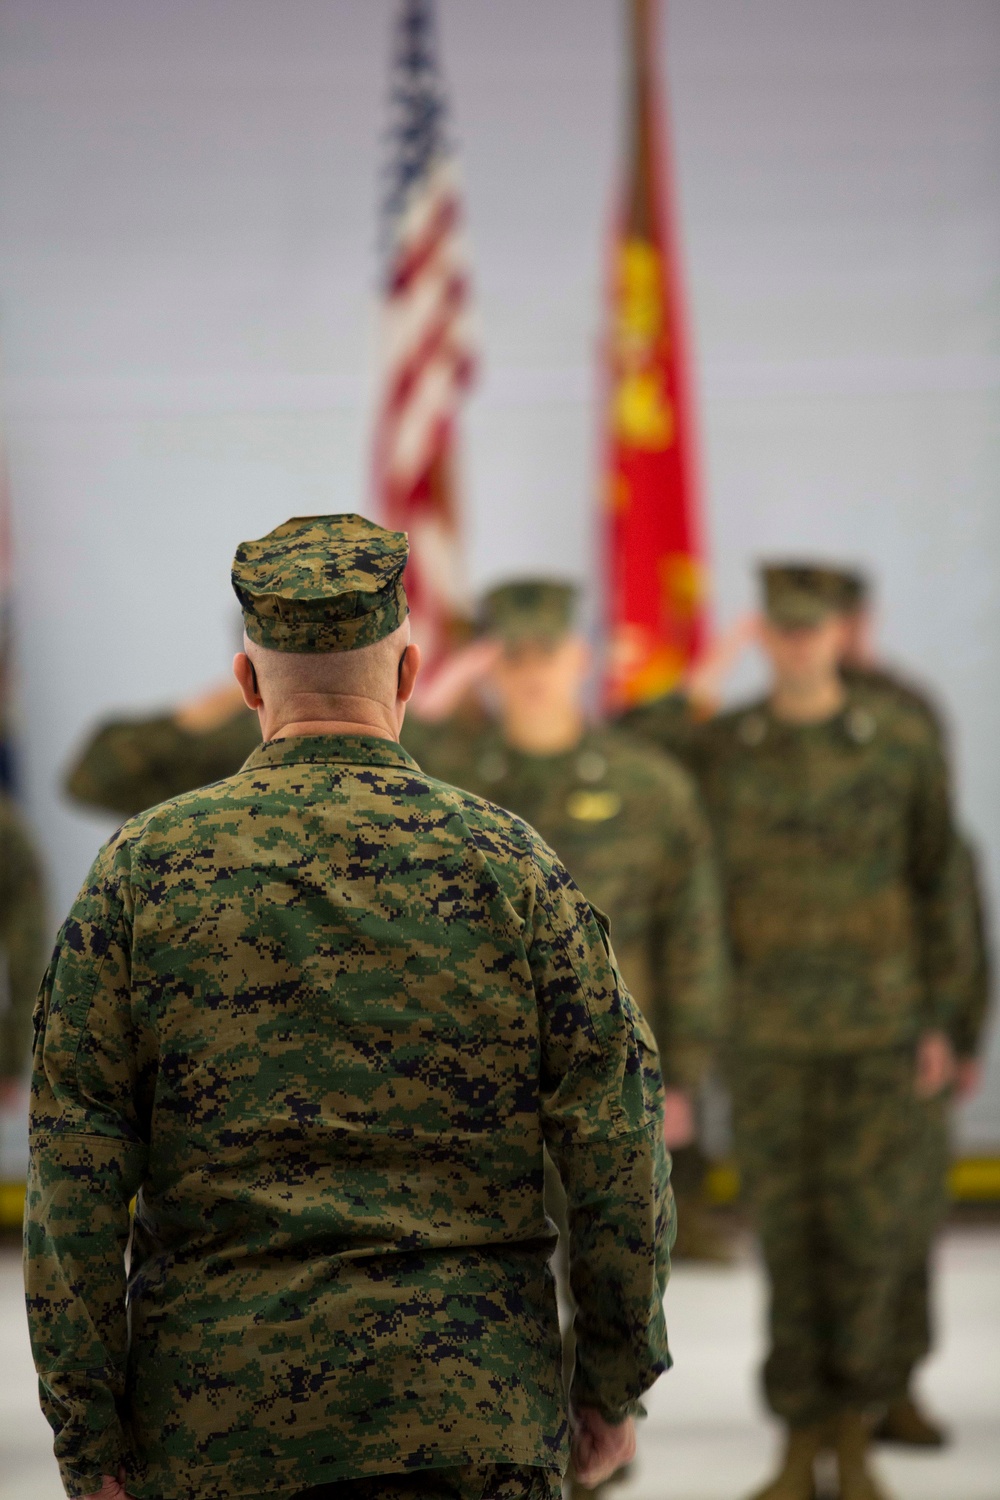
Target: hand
598	1449
210	710
968	1076
10	1093
706	676
935	1065
111	1489
678	1119
437	697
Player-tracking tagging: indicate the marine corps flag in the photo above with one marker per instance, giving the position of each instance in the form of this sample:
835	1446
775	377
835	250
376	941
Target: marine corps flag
427	356
655	601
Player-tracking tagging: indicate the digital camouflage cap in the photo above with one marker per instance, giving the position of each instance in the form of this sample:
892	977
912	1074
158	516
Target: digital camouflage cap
529	609
803	594
322	583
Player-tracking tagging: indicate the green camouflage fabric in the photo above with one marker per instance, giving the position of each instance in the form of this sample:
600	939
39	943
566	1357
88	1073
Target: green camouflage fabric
912	1332
322	583
320	1018
803	594
834	842
131	764
840	882
969	1016
829	1151
529	609
626	822
963	920
463	1482
892	688
23	936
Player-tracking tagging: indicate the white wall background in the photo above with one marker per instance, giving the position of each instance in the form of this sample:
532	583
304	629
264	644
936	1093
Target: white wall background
187	236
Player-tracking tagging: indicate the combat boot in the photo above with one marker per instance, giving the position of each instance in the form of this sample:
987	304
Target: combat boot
853	1441
795	1479
906	1424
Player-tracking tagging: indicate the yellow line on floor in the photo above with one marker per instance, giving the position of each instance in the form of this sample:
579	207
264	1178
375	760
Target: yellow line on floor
975	1179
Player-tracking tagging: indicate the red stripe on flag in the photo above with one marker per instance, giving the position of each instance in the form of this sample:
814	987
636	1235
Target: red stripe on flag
403	381
417	257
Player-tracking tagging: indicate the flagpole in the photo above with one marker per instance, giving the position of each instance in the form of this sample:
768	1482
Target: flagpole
640	214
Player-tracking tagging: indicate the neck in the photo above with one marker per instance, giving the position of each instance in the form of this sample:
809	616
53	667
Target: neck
799	703
344	715
552	734
328	726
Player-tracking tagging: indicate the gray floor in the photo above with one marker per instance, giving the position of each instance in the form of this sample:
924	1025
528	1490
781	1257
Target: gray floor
706	1437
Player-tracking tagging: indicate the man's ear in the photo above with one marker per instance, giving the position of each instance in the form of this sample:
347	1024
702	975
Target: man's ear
243	671
409	666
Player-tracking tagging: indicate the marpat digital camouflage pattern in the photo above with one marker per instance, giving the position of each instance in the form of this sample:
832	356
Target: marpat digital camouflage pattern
460	1482
320	1018
835	845
962	921
322	583
131	764
829	1152
539	610
627	823
833	842
23	945
804	593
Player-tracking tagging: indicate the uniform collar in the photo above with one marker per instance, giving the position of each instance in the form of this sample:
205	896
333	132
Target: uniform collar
330	749
555	758
853	721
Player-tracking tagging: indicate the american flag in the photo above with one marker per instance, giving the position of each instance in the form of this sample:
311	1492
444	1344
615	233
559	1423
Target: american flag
428	357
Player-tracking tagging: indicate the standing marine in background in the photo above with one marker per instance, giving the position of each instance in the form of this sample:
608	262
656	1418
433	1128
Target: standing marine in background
626	822
23	950
834	835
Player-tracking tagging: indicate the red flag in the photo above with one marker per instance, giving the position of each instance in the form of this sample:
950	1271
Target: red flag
428	356
655	580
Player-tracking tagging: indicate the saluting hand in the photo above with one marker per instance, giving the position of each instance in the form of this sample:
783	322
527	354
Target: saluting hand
706	677
437	697
598	1448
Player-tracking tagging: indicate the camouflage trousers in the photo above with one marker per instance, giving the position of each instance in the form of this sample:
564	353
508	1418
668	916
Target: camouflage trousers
832	1152
913	1334
462	1482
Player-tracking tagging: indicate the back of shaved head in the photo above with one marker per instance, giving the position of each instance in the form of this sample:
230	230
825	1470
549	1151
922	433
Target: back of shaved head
323	680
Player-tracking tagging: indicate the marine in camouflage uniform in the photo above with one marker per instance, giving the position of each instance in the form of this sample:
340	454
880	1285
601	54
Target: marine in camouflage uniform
834	841
130	764
904	1421
22	940
320	1018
